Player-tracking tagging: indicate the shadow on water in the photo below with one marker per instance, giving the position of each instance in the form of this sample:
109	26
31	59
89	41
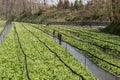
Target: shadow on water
100	73
5	32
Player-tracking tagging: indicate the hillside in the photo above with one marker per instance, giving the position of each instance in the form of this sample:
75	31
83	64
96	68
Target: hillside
65	15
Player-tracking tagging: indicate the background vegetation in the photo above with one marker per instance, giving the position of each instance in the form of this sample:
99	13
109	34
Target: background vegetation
63	10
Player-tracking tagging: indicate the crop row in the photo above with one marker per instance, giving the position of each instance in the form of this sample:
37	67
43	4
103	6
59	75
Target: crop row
56	55
11	61
107	48
111	49
104	46
45	65
96	33
113	40
94	51
110	41
24	54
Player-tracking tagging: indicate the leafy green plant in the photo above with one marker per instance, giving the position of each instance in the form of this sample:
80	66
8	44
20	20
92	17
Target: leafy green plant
80	38
41	63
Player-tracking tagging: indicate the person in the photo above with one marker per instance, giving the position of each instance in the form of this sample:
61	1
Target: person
60	38
54	33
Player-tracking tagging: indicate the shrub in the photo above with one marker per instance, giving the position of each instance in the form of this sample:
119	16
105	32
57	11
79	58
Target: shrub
96	16
39	13
113	28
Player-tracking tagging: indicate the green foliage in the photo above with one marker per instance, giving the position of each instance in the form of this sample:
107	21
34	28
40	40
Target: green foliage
77	18
23	16
68	18
39	13
49	30
99	44
11	18
72	19
42	64
113	28
96	16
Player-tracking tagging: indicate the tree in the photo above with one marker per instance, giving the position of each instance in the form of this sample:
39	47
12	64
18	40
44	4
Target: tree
66	4
116	10
60	4
72	6
113	9
80	4
76	4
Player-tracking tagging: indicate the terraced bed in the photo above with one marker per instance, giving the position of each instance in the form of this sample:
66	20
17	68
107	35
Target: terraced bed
102	49
27	53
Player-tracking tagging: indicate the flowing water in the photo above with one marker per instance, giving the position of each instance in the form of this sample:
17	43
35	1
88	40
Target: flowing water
100	73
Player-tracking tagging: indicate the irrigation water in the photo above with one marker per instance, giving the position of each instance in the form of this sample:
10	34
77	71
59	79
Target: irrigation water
97	71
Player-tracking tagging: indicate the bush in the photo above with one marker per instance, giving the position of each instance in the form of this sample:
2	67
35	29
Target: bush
11	18
68	18
39	13
96	16
77	18
71	19
113	28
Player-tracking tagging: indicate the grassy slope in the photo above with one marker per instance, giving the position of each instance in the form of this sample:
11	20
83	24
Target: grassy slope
55	15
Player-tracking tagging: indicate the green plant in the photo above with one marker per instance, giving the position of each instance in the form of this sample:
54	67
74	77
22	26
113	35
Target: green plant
88	41
113	28
96	16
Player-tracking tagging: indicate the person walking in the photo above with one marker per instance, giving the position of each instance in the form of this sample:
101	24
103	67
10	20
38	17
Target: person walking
60	38
54	33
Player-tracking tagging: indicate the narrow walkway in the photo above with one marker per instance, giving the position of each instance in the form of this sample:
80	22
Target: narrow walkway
93	68
5	32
